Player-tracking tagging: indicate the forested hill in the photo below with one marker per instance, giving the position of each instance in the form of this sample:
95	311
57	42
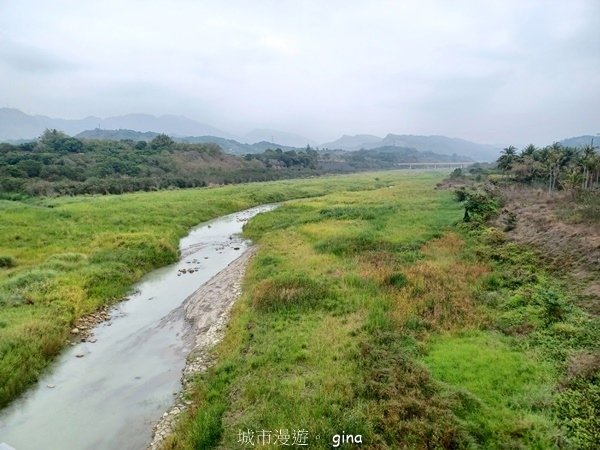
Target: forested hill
230	146
58	164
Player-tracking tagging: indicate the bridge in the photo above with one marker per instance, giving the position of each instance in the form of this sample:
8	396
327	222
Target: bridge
435	165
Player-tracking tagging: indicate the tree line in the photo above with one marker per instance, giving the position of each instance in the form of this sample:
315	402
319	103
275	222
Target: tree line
554	166
58	164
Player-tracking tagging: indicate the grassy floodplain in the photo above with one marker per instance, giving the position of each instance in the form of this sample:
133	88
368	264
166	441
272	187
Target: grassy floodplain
369	310
376	313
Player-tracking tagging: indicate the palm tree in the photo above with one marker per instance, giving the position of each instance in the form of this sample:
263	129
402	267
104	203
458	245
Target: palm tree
528	151
590	161
554	161
507	158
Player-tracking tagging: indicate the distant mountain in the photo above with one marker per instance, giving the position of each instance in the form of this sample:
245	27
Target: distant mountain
355	142
169	124
117	135
436	144
281	137
15	124
234	147
581	141
444	145
412	155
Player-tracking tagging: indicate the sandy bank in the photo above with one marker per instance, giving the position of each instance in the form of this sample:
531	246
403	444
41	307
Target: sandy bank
206	312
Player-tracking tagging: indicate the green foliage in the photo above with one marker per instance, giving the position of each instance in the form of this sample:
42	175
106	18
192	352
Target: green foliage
24	288
479	204
355	212
57	164
539	311
456	173
314	341
555	166
289	159
160	142
292	293
510	221
578	402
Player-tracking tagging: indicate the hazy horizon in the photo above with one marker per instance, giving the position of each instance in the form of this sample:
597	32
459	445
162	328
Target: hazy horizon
496	72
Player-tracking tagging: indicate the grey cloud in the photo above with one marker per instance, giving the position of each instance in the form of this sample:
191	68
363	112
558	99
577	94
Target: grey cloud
31	60
478	70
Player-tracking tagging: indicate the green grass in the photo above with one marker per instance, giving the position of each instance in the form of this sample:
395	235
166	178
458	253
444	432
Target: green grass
61	258
373	313
308	332
537	309
507	392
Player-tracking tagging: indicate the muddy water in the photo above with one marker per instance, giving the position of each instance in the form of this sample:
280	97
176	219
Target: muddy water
110	397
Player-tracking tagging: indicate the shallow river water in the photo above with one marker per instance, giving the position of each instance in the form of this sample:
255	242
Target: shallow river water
111	397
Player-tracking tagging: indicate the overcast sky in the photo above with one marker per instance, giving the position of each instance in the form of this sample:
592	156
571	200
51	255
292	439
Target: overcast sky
495	72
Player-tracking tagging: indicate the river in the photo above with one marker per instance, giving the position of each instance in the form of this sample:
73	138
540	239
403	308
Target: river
111	397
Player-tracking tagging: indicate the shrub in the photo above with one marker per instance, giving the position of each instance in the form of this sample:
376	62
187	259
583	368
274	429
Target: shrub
290	292
397	280
509	220
456	173
479	205
7	261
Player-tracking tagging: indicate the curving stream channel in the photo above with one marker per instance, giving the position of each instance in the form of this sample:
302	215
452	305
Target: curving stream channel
111	397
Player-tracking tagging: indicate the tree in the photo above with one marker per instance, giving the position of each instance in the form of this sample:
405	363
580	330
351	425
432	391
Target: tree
507	158
590	162
554	162
59	142
571	181
160	142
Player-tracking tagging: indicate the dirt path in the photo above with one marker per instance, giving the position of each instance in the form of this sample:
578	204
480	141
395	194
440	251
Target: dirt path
206	311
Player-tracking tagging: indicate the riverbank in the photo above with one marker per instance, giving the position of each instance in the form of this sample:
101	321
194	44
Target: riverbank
206	312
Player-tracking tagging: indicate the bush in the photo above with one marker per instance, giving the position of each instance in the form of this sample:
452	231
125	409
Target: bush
479	205
7	261
291	292
397	280
456	173
555	306
509	220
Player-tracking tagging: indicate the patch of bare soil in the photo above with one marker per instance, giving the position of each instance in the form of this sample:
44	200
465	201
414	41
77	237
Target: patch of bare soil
207	312
573	248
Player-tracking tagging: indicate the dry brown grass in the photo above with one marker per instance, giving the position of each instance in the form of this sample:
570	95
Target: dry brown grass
439	288
377	266
544	222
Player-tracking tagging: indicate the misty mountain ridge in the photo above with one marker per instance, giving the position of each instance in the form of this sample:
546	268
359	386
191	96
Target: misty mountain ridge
15	125
434	144
392	154
230	146
581	141
356	142
281	137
